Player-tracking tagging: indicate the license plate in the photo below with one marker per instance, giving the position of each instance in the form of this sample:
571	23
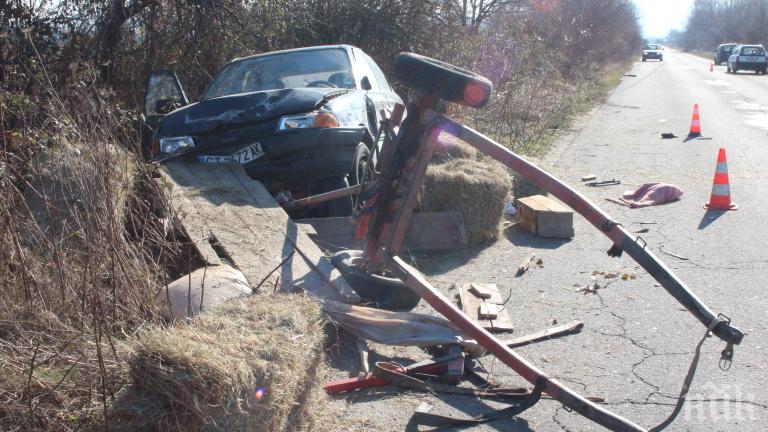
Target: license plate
242	156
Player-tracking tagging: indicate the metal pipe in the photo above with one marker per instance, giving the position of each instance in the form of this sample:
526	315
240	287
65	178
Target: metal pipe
529	372
601	220
321	198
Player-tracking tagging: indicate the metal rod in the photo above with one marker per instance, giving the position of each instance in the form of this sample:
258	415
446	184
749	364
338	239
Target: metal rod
321	198
620	236
530	373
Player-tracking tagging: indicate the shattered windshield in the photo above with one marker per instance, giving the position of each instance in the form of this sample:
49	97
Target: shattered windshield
328	67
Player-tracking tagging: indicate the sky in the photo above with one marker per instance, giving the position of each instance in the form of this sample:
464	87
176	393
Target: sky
658	17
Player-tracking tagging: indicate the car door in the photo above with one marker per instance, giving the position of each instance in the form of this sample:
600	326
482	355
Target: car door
163	94
380	98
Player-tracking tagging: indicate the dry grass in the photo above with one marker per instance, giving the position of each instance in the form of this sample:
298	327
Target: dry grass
82	253
207	375
476	189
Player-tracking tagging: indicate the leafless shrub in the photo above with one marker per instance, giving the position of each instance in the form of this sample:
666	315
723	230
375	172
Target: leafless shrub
82	254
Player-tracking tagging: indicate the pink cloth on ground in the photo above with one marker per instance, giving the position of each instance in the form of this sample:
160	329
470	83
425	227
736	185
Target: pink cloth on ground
650	194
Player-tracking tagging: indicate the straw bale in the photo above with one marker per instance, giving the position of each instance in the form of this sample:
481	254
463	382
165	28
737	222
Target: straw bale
209	374
449	147
476	189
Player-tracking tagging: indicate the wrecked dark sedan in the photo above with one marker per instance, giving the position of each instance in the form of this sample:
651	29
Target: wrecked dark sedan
302	121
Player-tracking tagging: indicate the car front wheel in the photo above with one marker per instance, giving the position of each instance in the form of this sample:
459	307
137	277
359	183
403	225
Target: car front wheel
361	169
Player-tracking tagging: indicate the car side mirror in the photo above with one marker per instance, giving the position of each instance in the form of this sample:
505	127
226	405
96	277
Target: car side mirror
365	83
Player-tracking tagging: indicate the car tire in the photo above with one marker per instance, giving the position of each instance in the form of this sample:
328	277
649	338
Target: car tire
449	82
361	169
643	58
383	292
661	59
340	207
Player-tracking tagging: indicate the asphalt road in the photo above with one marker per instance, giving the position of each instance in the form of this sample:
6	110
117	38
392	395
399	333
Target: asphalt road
637	342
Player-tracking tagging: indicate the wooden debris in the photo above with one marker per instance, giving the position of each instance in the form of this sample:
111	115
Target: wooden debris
471	305
544	217
488	311
251	228
428	232
565	329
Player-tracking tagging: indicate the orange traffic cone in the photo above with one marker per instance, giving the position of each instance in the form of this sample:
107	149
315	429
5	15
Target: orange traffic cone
721	188
711	66
695	123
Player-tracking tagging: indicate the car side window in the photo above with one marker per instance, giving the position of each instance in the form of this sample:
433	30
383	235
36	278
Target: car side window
365	68
378	74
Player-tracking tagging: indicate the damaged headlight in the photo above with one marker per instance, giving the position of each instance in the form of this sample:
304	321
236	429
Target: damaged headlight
317	119
176	144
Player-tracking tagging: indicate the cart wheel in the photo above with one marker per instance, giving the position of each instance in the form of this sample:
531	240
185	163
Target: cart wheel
449	82
384	292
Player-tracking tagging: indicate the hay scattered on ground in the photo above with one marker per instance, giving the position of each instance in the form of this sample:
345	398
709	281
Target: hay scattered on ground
252	364
476	189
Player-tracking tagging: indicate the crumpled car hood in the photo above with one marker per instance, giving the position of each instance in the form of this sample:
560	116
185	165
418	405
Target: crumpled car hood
210	114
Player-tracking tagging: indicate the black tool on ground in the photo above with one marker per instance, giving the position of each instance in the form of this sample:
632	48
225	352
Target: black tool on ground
610	182
668	135
422	415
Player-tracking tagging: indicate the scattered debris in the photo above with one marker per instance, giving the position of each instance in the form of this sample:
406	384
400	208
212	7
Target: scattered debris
510	209
362	352
471	305
668	135
649	194
610	182
396	328
642	231
565	329
589	177
674	255
629	75
526	264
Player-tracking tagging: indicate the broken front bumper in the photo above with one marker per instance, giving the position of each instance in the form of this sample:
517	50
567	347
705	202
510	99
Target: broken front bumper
306	155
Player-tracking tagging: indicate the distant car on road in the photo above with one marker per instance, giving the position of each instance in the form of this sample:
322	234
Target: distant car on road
303	121
653	51
722	52
747	57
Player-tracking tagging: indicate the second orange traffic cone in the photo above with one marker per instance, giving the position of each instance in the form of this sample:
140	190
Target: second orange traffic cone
721	187
695	122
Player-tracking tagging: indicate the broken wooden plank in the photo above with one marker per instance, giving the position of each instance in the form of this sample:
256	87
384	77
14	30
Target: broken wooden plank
191	222
489	292
488	311
565	329
471	304
254	231
428	232
545	217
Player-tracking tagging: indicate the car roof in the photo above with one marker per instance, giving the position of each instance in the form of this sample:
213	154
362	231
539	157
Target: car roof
752	46
340	46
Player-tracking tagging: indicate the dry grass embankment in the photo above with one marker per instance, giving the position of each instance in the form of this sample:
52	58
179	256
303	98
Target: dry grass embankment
82	252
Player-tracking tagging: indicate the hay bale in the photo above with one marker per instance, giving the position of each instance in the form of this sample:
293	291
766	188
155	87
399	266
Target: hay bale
522	187
243	366
476	189
449	148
